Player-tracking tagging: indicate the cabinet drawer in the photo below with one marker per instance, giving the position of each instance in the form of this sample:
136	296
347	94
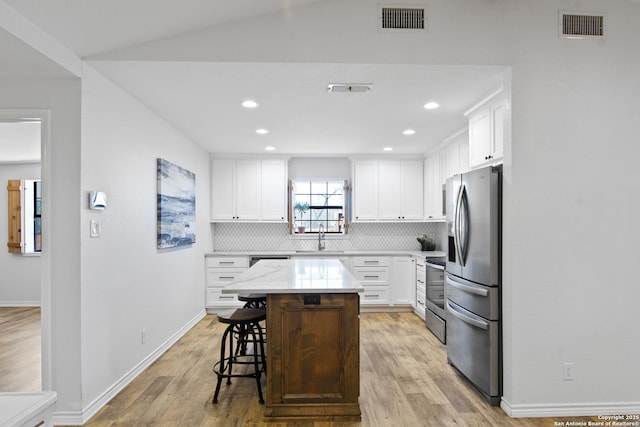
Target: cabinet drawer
371	261
367	276
375	295
227	262
420	287
420	300
216	298
420	265
222	276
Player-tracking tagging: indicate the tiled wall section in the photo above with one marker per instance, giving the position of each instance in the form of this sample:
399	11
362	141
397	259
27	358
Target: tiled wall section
362	236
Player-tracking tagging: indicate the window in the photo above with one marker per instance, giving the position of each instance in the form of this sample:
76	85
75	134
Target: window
25	216
319	202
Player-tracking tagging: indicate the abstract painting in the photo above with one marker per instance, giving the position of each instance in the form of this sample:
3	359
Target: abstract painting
176	205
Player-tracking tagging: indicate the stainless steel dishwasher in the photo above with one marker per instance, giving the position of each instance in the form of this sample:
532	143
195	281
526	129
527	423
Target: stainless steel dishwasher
257	258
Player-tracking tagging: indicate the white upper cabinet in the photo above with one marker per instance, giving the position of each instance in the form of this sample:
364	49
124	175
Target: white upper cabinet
457	155
433	188
248	190
486	131
451	159
223	189
365	190
412	190
273	206
388	190
389	194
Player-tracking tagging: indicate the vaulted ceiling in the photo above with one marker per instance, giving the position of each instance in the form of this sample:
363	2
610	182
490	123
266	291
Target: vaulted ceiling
202	98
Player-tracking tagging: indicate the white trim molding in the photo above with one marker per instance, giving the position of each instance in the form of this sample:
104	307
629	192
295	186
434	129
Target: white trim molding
569	409
81	417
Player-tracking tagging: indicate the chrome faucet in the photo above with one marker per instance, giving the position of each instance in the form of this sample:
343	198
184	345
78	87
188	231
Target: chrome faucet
321	237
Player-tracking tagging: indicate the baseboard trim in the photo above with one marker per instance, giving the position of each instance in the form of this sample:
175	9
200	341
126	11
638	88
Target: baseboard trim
385	308
19	303
80	418
569	409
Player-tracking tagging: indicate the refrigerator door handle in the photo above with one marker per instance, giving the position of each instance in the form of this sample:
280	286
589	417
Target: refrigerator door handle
467	288
471	321
457	225
464	225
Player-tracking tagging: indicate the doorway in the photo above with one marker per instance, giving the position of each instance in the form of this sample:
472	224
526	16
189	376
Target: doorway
22	136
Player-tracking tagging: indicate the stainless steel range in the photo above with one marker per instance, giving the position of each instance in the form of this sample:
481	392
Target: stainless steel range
434	315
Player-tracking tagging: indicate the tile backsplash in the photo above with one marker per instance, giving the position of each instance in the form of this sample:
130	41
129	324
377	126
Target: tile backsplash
362	236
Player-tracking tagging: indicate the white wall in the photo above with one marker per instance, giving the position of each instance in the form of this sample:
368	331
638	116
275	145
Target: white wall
127	283
319	168
568	170
20	278
58	99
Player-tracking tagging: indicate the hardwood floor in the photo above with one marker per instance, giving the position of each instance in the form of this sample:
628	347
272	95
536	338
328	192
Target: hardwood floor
405	381
20	365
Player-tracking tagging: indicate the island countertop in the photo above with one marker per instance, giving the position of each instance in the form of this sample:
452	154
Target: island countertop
294	276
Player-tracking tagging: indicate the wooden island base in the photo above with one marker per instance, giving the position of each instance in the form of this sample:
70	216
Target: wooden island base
313	356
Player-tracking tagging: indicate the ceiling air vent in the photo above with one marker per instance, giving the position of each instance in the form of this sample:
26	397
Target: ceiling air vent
582	25
402	18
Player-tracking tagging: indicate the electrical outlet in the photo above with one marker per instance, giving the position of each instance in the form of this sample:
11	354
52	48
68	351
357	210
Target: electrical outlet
568	372
143	336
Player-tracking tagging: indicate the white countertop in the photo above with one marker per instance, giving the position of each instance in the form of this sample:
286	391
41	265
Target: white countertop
296	275
19	407
330	253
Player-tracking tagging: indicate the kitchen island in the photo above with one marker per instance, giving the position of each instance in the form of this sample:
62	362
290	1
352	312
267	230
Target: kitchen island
313	336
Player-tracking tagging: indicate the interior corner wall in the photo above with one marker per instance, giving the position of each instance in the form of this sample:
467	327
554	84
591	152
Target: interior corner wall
128	284
60	259
20	279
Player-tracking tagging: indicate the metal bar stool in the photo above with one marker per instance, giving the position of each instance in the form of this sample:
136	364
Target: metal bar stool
244	326
258	301
254	301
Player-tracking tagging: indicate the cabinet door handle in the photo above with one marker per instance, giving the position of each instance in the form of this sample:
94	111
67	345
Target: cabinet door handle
227	277
371	296
226	262
371	262
371	277
226	296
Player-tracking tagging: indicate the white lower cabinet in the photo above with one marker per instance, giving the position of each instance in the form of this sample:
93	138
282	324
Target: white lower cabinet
402	285
388	281
221	270
373	274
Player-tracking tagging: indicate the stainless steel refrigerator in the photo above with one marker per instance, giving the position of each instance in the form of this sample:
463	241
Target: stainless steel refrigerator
473	278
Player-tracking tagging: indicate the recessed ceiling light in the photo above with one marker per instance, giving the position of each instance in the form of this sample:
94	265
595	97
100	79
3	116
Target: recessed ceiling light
388	148
269	148
262	131
408	132
431	105
249	103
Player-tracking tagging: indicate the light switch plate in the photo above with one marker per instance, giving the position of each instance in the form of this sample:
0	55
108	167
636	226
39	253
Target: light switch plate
95	228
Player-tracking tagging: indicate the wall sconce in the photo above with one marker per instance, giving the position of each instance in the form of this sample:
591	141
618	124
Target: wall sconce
97	200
